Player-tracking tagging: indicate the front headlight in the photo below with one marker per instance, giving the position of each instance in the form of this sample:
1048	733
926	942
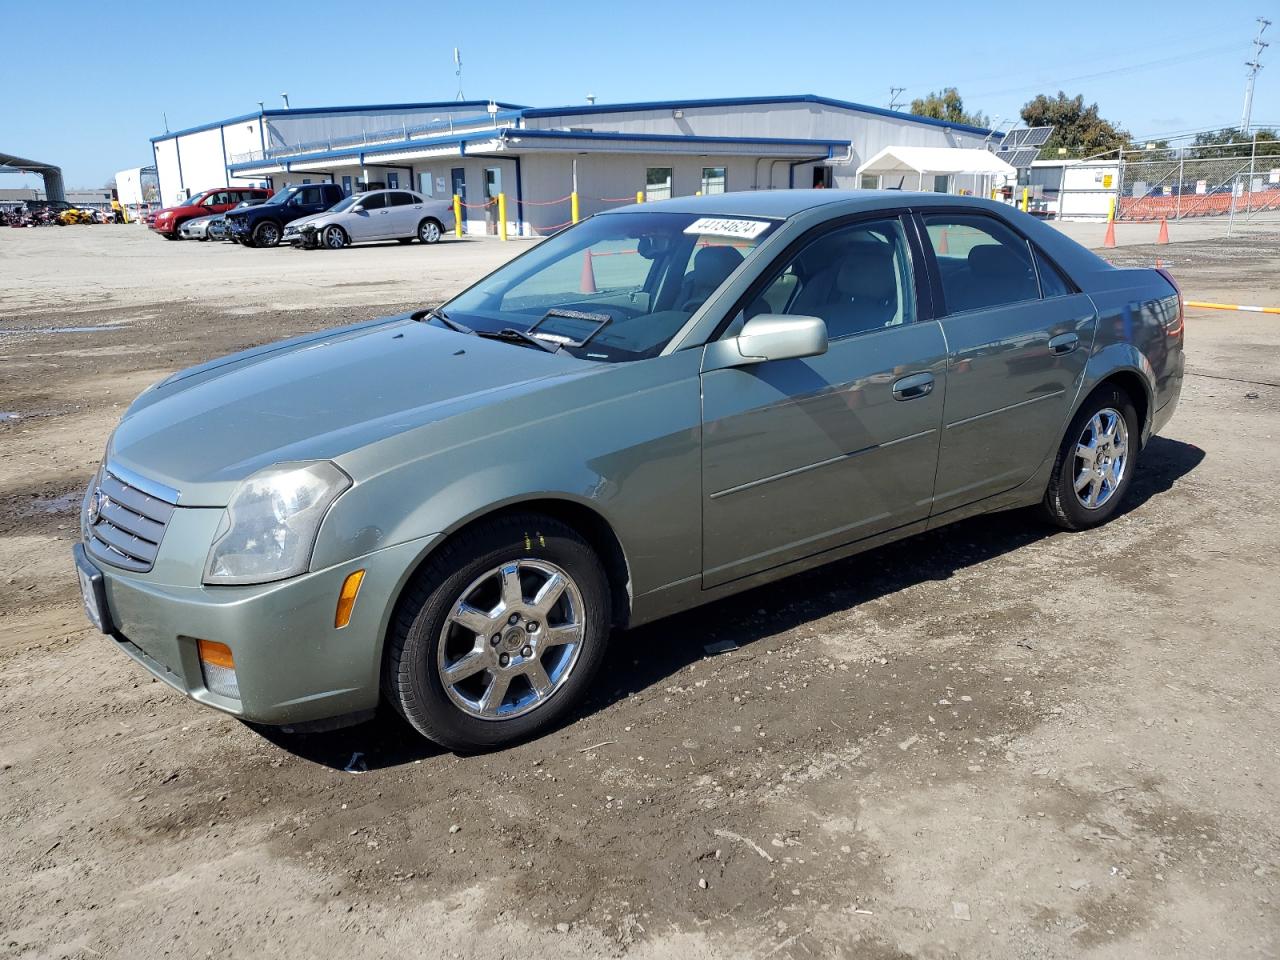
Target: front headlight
269	529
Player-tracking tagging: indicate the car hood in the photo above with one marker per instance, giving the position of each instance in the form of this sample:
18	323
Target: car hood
313	218
317	397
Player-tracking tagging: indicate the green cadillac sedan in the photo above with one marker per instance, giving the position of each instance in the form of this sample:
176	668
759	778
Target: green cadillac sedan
450	511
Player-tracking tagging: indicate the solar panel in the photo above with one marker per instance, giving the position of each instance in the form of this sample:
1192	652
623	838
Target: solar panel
1020	158
1026	137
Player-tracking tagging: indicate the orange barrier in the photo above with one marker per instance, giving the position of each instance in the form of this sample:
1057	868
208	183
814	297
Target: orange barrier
1206	305
1196	205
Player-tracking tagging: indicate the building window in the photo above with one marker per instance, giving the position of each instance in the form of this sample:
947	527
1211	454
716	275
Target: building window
942	183
657	183
393	179
425	184
870	181
346	186
306	179
713	180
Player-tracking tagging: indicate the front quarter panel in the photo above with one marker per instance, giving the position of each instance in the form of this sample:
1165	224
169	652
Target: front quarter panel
620	439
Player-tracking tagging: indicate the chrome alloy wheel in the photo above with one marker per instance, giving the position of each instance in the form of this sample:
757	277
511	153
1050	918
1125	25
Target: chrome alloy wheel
334	238
511	639
429	232
1102	457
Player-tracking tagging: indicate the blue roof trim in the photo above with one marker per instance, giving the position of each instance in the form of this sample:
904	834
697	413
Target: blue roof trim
514	133
363	108
745	101
207	126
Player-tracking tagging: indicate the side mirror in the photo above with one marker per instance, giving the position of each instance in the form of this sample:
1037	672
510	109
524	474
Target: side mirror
358	208
776	336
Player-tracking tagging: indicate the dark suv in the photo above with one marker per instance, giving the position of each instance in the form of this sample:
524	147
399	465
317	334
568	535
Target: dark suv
263	225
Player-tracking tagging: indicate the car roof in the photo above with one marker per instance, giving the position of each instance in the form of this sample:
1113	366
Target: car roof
783	204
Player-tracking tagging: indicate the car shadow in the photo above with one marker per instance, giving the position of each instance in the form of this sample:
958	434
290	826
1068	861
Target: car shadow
671	644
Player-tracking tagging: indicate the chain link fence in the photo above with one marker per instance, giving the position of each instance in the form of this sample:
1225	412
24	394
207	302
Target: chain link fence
1235	181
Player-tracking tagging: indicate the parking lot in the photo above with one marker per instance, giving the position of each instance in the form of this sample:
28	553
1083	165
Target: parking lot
996	740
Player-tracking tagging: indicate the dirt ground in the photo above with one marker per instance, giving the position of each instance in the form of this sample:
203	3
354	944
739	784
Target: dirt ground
991	741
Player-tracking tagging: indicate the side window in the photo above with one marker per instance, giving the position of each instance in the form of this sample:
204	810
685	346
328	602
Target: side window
856	278
1052	282
981	262
374	201
401	199
309	196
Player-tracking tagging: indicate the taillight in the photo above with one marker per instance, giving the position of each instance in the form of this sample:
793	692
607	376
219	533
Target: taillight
1175	329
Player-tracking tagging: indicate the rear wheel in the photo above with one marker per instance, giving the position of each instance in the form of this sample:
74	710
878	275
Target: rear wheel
430	231
334	238
1095	463
499	636
266	234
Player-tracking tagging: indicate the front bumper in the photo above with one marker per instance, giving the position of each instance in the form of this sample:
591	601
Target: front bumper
238	228
292	664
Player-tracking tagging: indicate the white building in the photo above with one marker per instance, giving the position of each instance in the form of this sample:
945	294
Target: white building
537	156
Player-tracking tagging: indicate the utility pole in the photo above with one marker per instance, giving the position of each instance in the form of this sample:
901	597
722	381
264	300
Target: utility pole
894	102
457	65
1254	66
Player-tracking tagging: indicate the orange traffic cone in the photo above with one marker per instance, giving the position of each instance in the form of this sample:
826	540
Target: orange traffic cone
588	283
943	246
1110	239
1164	231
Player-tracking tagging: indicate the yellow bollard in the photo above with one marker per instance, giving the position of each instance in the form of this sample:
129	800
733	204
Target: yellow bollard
639	196
457	216
573	206
502	216
1111	208
1026	199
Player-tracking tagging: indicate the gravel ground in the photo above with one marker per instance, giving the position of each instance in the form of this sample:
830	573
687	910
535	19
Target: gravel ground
995	740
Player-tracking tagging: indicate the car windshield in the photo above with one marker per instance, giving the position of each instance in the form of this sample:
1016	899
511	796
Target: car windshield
616	287
346	203
281	196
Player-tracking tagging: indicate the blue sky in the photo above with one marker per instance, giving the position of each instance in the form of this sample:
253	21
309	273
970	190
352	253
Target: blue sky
90	100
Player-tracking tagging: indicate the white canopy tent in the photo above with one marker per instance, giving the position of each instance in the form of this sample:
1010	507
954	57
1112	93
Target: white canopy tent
982	167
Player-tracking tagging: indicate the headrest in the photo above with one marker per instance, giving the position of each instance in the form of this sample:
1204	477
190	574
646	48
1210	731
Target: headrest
866	271
713	264
996	260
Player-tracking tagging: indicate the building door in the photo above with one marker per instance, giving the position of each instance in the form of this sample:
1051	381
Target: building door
346	186
492	187
393	179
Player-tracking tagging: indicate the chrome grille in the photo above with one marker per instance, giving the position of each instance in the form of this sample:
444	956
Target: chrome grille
127	516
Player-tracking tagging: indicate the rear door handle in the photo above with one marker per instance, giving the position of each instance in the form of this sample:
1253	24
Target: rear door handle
912	387
1063	344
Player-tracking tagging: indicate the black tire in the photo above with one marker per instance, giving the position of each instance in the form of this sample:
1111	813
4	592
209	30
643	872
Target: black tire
267	234
411	680
1062	506
430	230
333	237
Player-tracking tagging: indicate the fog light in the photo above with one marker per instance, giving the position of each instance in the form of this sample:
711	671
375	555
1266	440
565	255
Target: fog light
218	669
347	598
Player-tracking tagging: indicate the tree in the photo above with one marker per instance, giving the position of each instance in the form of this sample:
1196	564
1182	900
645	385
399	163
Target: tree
1076	127
1268	141
948	105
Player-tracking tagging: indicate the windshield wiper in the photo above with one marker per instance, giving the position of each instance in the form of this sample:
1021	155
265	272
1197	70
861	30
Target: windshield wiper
512	335
438	314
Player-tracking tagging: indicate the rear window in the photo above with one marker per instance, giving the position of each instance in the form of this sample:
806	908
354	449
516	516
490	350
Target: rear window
981	262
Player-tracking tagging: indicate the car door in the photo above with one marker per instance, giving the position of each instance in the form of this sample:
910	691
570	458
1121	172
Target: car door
403	212
803	456
1016	356
365	223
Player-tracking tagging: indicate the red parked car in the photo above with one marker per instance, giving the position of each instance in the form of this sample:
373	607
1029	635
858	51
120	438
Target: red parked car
169	220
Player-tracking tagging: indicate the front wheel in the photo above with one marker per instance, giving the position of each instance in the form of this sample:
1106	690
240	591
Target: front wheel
500	635
1095	463
334	238
429	231
266	234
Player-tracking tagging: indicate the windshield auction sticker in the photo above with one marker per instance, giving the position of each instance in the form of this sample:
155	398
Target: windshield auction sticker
720	227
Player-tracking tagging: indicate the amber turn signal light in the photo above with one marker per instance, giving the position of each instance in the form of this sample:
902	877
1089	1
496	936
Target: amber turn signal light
347	598
216	654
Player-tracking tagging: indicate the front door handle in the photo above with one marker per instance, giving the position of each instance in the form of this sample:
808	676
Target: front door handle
1063	344
912	387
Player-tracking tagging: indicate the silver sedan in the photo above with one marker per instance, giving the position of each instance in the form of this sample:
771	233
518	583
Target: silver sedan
377	215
